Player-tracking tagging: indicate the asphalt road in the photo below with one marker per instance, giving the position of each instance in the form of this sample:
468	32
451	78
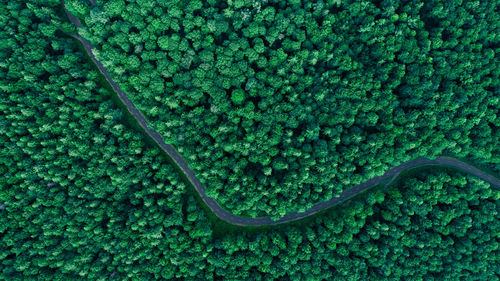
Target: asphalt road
224	215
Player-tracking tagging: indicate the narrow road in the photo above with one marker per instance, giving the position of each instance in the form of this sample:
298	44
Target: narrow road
263	221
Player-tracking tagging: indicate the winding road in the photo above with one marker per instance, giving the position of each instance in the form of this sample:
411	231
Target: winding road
226	216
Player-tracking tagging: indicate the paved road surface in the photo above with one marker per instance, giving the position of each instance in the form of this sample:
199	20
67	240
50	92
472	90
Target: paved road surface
244	221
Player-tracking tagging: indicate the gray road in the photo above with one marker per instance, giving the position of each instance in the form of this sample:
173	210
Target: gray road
244	221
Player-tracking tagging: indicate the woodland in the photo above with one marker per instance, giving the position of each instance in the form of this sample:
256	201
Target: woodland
275	105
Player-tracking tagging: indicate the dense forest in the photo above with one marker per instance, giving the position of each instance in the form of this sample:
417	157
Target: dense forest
277	105
84	196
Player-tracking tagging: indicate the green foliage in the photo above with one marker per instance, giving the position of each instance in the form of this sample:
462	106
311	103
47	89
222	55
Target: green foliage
114	7
304	97
238	96
436	226
163	42
83	197
77	7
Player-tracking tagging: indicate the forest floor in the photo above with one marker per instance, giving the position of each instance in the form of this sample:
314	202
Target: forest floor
180	164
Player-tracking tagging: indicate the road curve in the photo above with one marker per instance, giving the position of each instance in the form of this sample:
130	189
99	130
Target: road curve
224	215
